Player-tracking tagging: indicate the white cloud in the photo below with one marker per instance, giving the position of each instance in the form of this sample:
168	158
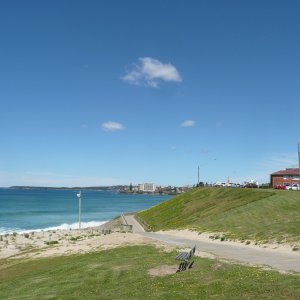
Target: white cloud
188	123
151	72
112	126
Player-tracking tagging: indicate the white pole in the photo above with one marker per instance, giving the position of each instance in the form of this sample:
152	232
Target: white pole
79	209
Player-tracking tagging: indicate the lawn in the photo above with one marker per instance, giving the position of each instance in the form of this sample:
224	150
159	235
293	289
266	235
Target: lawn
262	215
122	273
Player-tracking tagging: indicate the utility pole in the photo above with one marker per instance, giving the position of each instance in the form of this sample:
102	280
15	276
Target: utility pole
198	177
299	160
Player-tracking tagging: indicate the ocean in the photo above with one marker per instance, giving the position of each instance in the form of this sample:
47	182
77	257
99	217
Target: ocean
34	210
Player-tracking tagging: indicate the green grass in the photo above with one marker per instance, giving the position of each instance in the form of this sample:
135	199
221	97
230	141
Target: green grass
122	273
262	215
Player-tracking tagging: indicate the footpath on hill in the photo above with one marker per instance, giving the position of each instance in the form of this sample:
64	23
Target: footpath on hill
234	252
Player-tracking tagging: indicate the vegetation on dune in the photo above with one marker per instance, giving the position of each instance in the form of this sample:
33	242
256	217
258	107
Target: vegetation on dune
122	273
262	215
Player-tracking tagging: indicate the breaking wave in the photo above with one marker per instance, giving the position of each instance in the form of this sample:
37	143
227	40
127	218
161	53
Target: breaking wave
63	226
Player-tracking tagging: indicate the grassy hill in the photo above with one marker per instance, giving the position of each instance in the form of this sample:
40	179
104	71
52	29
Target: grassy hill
262	215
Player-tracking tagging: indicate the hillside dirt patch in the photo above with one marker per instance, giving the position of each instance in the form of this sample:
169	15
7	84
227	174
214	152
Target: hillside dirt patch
163	270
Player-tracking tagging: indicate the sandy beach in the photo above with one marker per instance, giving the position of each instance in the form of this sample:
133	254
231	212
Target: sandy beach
67	242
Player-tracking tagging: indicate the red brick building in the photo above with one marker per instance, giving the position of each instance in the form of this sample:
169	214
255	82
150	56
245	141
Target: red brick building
285	176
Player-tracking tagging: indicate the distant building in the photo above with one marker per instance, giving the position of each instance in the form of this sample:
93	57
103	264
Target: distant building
287	176
147	187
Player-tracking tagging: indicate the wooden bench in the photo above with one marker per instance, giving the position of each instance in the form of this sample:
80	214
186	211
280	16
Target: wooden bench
185	265
186	255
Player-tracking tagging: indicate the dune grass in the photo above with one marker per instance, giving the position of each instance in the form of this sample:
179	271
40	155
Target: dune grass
122	273
262	215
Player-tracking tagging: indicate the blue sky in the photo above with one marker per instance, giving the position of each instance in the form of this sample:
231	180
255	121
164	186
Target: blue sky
113	92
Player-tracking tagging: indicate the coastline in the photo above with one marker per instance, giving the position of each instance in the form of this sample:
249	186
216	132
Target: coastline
24	211
38	244
64	226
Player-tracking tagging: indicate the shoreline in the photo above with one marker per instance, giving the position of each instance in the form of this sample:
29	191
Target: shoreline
63	226
67	242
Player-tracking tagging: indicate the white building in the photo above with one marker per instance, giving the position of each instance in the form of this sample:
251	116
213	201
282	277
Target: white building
147	187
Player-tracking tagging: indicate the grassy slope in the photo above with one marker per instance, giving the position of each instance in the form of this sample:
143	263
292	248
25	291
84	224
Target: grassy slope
262	215
122	274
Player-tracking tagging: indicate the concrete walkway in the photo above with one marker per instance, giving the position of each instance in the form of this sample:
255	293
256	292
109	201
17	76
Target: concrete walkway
136	226
239	253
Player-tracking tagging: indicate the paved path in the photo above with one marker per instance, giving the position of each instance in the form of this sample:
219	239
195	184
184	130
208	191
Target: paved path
136	226
239	253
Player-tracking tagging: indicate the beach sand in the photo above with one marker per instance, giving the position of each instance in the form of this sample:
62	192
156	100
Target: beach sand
67	242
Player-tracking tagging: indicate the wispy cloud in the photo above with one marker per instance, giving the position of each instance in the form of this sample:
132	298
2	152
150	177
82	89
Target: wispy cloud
188	123
278	161
270	163
151	72
112	126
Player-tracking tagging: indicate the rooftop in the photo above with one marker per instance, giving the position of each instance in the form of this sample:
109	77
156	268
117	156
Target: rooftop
288	171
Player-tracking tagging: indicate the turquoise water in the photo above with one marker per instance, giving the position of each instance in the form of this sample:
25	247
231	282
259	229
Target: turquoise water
27	210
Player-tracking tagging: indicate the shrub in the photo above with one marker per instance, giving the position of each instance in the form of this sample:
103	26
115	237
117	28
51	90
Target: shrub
51	243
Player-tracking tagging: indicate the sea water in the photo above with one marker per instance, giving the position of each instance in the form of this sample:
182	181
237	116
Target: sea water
23	210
